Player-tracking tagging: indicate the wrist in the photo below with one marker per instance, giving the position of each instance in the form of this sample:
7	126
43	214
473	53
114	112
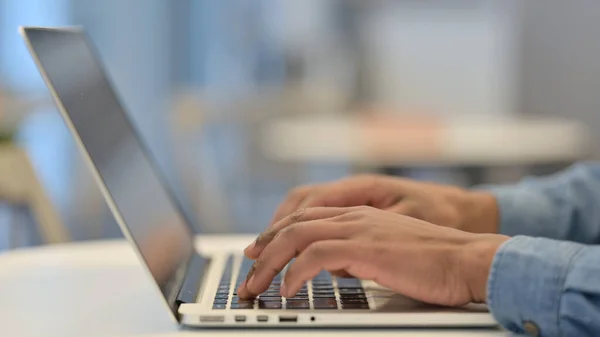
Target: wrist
475	263
483	215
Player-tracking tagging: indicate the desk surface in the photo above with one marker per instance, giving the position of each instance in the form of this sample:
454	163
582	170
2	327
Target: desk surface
99	289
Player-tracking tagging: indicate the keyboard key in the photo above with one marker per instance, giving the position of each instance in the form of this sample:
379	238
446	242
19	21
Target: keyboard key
325	303
269	305
348	283
322	287
269	298
238	300
323	274
242	305
219	306
354	301
221	296
355	306
271	294
304	298
321	283
298	304
220	301
324	295
344	296
350	291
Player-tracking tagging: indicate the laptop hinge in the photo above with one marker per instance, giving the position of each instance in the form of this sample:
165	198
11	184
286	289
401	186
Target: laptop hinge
191	284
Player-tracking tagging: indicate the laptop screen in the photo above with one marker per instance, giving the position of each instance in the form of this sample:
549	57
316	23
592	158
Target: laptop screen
141	202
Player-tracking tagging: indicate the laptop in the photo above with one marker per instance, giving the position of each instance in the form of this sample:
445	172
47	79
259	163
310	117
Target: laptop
199	291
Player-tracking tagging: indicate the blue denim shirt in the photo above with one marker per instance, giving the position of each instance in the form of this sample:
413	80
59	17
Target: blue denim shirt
548	275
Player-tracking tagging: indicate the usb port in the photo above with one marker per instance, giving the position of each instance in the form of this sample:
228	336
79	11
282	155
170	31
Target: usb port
288	319
212	319
240	318
262	318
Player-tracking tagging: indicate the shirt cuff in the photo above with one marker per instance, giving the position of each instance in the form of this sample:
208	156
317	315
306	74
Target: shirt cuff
523	211
526	282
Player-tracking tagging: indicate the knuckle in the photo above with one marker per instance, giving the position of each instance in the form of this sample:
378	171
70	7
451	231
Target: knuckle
367	177
317	250
299	191
364	210
410	208
290	231
266	236
346	217
370	181
358	213
297	215
448	217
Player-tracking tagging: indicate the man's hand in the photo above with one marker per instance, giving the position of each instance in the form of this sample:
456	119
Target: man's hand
423	261
442	205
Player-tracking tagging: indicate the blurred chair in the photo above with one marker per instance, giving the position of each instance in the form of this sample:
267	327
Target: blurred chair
19	185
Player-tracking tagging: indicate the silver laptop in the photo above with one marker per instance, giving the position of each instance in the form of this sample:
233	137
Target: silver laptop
200	291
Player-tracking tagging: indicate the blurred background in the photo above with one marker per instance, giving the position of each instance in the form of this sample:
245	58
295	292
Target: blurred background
242	100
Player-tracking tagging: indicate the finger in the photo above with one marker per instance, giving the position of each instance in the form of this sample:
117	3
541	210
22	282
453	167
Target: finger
300	215
340	273
289	243
405	207
354	191
363	190
327	255
292	202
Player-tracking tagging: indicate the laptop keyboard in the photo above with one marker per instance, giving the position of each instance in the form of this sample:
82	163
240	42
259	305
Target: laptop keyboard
324	292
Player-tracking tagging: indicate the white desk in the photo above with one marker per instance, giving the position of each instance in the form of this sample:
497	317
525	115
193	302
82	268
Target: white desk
413	141
99	289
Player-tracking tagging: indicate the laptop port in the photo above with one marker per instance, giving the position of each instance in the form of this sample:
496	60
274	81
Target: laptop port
212	319
262	318
288	319
240	318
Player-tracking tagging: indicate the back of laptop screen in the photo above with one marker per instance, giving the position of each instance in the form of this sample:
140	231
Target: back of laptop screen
153	220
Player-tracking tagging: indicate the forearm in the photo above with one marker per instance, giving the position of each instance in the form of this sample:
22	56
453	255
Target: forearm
563	206
551	285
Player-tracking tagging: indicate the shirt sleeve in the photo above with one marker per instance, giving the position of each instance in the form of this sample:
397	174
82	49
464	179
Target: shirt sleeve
563	206
553	286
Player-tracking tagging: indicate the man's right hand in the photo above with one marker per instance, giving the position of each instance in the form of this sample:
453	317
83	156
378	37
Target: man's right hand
472	211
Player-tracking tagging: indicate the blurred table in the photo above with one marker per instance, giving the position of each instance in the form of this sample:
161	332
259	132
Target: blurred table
100	289
409	142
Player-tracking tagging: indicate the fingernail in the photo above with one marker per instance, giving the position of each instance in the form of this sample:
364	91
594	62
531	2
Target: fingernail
249	282
241	288
251	272
283	289
250	246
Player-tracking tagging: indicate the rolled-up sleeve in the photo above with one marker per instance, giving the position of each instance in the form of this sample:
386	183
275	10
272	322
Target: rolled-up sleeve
564	206
547	285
